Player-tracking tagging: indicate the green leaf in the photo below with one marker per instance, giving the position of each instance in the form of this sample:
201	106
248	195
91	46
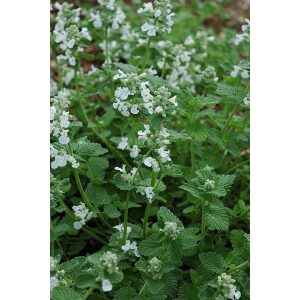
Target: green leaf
90	149
149	247
95	170
126	293
217	218
127	68
65	293
230	93
179	136
111	211
121	183
97	195
74	128
165	215
212	261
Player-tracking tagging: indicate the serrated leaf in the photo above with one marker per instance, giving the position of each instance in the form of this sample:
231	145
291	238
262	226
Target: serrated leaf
121	183
111	211
165	215
97	195
217	218
65	293
126	293
90	149
212	261
230	93
95	170
149	247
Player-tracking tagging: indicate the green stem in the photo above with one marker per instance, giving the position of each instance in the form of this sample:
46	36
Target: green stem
126	217
52	251
88	293
164	68
203	223
237	166
224	129
110	64
192	155
146	217
230	117
146	55
84	196
85	228
143	288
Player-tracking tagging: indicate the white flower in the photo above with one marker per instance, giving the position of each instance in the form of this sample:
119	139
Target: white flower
143	135
148	7
120	228
149	193
134	109
150	29
96	19
164	154
245	74
134	152
246	100
122	93
189	41
120	75
131	246
64	139
146	191
53	282
123	144
83	213
151	162
106	285
85	34
235	72
122	170
157	12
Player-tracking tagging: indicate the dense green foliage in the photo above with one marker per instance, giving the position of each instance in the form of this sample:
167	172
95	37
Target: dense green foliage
149	200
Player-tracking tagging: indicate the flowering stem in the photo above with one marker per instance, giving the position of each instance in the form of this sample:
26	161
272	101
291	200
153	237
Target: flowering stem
126	217
146	55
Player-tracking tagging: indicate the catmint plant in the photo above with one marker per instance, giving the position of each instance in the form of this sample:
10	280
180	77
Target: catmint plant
149	151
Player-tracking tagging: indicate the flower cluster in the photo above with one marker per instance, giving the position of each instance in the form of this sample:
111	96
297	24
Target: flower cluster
209	185
245	35
154	268
57	275
108	263
110	15
159	17
59	124
241	70
171	230
131	246
127	176
128	98
83	214
227	287
147	191
67	32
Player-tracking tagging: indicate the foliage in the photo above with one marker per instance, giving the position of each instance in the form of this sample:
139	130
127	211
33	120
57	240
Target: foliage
149	151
